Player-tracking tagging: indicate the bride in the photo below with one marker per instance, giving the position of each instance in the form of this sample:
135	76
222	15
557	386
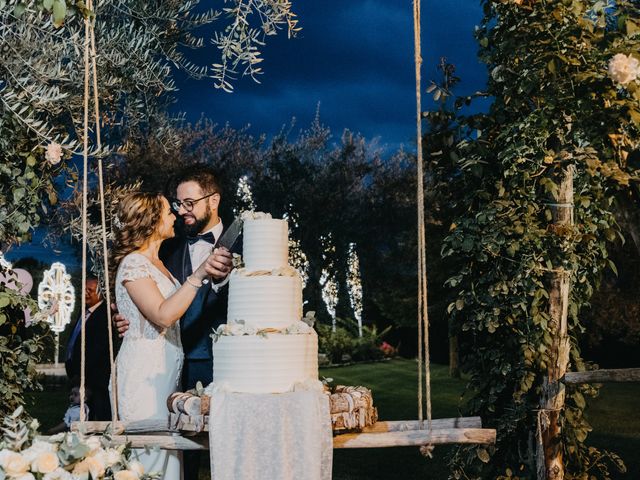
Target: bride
150	359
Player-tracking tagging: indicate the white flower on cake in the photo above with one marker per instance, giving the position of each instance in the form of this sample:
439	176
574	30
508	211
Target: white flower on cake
298	328
287	271
310	318
251	215
623	69
235	327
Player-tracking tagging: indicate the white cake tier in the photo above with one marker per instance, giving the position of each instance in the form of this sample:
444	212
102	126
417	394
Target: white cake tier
265	301
265	244
271	363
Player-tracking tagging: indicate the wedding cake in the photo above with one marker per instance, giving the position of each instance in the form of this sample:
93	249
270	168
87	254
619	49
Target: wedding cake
265	347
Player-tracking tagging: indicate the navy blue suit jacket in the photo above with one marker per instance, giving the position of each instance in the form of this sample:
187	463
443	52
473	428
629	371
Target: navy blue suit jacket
208	309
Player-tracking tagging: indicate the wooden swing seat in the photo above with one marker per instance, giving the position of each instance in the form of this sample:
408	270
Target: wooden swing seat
190	432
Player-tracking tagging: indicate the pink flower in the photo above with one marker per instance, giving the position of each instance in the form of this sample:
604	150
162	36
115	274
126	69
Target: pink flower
53	153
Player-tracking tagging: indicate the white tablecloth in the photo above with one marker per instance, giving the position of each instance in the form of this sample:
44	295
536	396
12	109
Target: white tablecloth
284	436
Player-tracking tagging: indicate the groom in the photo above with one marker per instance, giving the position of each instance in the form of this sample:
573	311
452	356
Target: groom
196	203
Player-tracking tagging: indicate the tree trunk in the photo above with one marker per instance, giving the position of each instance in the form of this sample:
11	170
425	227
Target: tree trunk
549	459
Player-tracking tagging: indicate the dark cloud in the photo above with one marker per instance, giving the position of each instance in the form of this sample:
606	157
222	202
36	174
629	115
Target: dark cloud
353	57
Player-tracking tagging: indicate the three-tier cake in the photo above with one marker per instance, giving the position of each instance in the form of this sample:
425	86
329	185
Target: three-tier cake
265	347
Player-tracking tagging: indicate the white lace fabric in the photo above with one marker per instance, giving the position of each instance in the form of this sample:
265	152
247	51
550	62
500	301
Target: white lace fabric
149	363
284	436
133	267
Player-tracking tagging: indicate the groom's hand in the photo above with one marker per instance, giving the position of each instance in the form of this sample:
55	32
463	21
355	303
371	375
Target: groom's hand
219	264
121	323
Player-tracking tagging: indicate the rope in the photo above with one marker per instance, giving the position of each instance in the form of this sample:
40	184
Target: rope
423	316
85	154
103	221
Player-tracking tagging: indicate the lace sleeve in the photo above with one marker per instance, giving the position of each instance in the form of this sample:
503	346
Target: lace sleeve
134	267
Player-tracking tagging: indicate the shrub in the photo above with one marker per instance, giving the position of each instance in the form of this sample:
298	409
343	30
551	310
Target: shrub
21	348
345	341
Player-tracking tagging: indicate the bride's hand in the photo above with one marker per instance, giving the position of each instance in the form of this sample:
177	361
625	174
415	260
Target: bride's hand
217	265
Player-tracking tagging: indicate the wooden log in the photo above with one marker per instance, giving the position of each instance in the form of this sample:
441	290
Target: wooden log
415	438
603	376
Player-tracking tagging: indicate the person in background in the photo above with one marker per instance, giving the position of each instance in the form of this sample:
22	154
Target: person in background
73	412
97	361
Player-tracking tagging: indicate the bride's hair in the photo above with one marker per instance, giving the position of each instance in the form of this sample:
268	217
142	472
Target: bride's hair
136	220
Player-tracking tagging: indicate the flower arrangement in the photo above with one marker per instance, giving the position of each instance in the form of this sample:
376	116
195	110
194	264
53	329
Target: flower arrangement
65	456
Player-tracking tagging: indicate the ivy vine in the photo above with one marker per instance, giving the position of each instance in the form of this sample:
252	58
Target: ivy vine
554	107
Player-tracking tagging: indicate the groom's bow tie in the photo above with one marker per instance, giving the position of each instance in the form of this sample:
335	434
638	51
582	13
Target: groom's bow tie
207	237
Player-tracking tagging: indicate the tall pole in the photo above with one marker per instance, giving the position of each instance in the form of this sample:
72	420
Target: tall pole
550	464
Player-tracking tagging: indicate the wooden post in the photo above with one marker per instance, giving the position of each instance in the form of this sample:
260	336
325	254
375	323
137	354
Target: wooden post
549	458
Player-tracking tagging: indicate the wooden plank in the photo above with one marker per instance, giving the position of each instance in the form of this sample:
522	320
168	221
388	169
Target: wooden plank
415	438
412	438
194	423
407	425
198	423
164	442
603	376
138	426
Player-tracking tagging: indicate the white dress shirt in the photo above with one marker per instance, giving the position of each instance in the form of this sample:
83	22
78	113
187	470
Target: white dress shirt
200	250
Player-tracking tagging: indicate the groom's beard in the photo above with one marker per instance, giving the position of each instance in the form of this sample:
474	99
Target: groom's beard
199	224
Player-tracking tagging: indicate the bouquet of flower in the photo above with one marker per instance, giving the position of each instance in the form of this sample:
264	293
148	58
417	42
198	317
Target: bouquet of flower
66	456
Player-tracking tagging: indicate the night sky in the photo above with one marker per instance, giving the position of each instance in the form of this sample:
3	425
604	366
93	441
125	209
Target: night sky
353	58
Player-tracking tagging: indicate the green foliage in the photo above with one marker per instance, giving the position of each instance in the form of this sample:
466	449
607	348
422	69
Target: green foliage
345	341
21	348
554	107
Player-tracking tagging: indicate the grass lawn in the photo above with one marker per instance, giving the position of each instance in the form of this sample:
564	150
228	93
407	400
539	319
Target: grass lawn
613	415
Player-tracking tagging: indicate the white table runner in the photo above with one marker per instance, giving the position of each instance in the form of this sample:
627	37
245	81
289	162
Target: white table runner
284	436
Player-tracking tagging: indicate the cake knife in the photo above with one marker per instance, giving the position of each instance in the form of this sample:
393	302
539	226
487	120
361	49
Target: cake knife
227	240
230	236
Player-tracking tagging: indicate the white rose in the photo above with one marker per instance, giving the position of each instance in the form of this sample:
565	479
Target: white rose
136	467
623	69
53	153
93	443
90	465
14	464
45	462
111	457
38	447
24	476
125	475
58	474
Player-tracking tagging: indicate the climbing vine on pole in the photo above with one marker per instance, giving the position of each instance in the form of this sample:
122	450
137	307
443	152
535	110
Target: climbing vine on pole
559	103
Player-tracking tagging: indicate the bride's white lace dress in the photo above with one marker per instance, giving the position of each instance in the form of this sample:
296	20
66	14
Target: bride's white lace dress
149	362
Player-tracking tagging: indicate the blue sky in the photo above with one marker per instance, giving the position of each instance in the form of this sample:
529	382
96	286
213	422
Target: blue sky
354	58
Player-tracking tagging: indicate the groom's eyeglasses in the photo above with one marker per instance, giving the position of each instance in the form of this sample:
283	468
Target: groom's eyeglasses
187	203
